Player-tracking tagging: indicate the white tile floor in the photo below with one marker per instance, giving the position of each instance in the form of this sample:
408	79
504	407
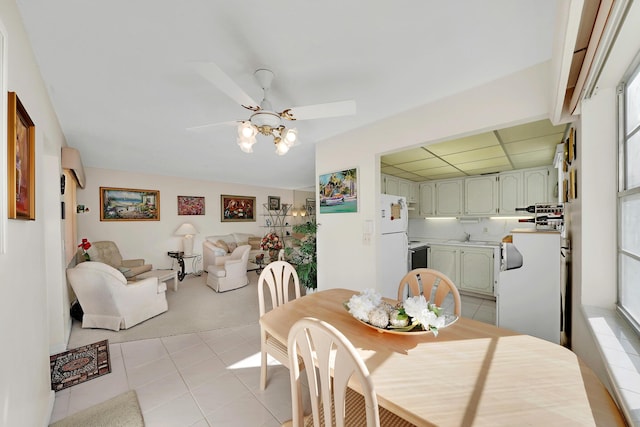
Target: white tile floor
203	379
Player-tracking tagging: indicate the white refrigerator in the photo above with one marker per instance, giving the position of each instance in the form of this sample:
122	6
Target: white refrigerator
393	244
529	298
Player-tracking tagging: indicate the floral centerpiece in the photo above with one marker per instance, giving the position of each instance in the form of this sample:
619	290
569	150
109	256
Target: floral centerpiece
272	243
85	245
414	313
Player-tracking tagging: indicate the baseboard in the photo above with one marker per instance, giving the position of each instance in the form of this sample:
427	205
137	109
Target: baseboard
63	346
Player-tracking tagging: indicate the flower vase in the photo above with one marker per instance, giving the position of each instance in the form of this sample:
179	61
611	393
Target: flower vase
273	254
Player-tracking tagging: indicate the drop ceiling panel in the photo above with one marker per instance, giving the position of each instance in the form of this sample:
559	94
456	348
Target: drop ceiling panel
484	164
433	162
406	156
410	176
439	172
463	144
390	170
530	130
475	155
533	159
534	144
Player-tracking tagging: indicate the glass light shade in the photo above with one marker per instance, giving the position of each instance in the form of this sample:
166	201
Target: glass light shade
290	136
246	145
294	212
281	148
247	130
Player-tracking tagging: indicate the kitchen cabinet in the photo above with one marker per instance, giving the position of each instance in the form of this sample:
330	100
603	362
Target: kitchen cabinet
390	185
470	268
510	192
536	186
477	270
403	189
427	199
414	194
480	195
445	259
449	197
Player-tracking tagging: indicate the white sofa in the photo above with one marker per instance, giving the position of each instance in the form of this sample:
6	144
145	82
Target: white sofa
212	254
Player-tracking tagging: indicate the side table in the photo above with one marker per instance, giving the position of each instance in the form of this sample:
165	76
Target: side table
180	256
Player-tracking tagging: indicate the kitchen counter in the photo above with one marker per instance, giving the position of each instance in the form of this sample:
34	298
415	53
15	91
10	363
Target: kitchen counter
416	242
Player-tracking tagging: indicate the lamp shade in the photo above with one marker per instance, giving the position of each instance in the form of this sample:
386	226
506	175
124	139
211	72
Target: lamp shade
186	229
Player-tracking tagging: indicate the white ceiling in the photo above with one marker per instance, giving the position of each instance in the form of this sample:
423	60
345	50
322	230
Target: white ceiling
122	81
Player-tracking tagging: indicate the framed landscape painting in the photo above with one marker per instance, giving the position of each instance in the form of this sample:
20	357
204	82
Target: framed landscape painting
190	205
21	146
237	208
127	204
339	191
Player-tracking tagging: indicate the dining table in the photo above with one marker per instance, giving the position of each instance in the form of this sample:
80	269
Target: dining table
470	374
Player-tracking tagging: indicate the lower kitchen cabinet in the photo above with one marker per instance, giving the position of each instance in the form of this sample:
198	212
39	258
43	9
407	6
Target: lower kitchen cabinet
476	270
470	268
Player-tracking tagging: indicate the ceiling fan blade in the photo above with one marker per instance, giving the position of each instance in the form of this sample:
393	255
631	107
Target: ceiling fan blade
212	125
317	111
222	81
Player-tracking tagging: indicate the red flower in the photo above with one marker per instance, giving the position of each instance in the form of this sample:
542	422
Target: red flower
85	245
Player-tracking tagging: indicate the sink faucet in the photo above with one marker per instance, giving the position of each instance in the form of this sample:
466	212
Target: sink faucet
467	236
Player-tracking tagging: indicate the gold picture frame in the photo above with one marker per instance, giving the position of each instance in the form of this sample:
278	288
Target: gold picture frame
21	156
237	208
127	204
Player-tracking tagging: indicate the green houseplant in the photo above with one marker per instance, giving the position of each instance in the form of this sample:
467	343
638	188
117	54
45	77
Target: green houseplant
303	255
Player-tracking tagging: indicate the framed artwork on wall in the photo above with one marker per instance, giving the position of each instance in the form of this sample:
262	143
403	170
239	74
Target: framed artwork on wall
339	191
274	203
237	208
127	204
190	205
21	153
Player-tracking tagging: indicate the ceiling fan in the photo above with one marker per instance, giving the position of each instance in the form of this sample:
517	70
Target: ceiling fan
264	119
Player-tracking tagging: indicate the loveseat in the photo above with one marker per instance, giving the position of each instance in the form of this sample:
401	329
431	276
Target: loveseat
217	249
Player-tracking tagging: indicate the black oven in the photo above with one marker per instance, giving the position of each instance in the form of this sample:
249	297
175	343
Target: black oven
419	257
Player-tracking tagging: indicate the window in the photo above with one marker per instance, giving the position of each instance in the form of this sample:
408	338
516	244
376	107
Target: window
629	197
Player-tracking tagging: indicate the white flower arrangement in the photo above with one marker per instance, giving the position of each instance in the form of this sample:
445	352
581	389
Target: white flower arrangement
414	312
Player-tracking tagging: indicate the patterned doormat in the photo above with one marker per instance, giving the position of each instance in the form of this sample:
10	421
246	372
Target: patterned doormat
79	365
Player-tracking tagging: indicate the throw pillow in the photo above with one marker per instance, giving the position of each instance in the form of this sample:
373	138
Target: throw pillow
254	242
222	244
219	251
232	246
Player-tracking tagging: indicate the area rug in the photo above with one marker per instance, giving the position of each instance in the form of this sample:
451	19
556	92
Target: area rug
195	307
79	365
121	411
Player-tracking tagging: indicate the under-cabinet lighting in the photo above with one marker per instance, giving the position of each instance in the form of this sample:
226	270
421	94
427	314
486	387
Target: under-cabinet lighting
507	217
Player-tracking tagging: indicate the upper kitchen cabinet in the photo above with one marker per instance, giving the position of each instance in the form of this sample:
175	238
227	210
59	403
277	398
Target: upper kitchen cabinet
427	199
390	185
449	197
510	191
539	185
480	195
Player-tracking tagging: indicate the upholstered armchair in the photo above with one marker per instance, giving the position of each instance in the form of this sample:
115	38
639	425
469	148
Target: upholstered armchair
231	273
107	252
110	302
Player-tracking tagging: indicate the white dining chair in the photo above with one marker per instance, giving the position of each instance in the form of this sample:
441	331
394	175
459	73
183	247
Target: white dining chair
277	277
429	279
330	362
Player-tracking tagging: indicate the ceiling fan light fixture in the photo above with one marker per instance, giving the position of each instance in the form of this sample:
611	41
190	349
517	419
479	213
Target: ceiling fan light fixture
246	130
281	147
289	136
246	144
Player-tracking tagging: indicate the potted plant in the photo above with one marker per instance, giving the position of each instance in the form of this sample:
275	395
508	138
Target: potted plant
303	256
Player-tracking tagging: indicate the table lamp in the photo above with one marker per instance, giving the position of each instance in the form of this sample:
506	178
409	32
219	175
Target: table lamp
187	230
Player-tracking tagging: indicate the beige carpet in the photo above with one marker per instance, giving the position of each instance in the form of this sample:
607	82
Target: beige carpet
194	308
121	411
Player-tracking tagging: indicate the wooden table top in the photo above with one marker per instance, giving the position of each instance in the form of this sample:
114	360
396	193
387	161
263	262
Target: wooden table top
472	373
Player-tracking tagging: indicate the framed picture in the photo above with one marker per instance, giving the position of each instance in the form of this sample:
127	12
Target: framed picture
237	208
274	203
339	191
190	205
126	204
310	206
21	153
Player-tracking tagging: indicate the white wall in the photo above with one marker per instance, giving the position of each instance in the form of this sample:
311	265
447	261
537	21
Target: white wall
152	239
343	259
31	269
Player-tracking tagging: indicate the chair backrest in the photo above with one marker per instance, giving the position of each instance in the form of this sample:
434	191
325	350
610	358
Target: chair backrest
97	286
241	252
430	278
326	352
106	252
277	276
